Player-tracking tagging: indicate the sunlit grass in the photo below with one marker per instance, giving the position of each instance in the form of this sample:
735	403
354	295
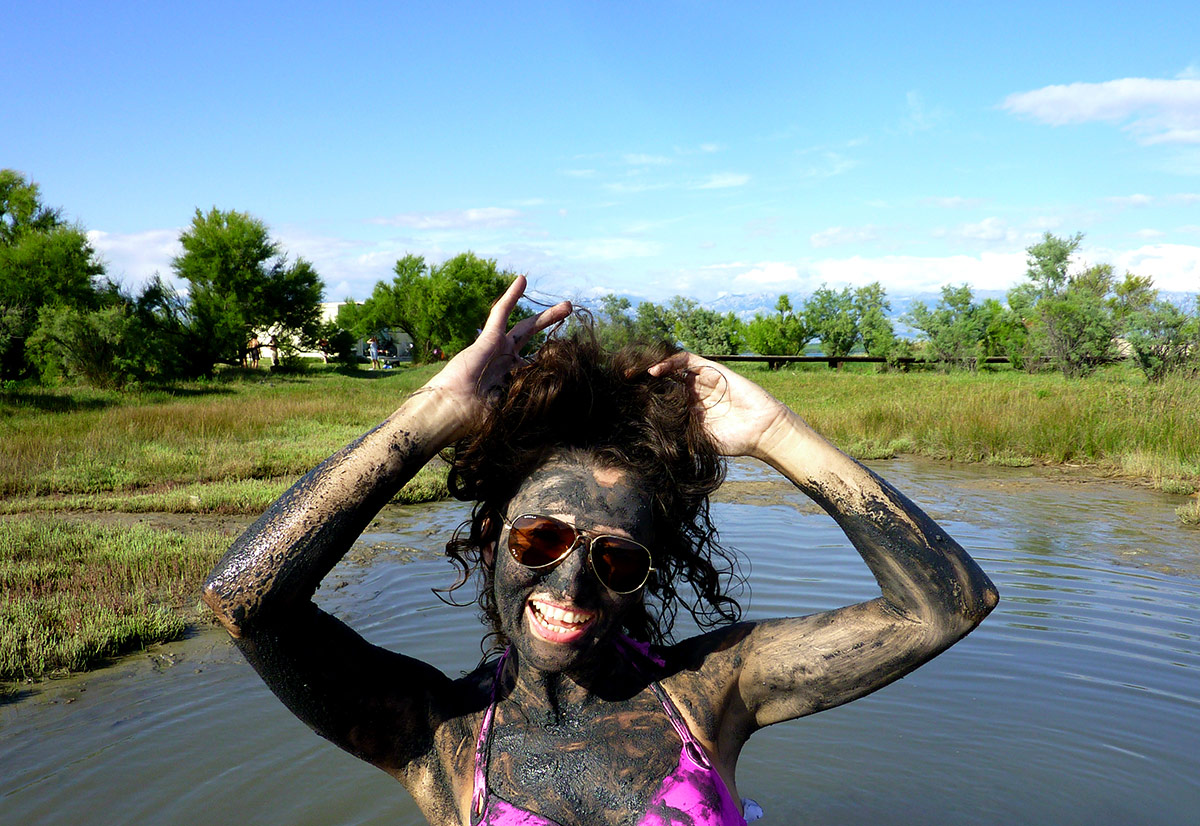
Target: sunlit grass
78	441
1114	422
73	595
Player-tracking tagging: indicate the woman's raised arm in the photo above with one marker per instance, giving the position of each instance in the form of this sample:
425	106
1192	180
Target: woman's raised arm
933	592
262	588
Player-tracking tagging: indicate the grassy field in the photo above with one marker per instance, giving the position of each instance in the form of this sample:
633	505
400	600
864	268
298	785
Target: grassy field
233	444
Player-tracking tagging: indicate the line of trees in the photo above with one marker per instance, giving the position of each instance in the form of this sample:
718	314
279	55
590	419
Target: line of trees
61	316
1073	321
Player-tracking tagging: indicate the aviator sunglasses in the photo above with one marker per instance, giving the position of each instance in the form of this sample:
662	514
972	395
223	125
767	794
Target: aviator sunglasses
539	542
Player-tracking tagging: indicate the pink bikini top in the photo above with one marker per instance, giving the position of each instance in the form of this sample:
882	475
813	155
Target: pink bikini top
693	794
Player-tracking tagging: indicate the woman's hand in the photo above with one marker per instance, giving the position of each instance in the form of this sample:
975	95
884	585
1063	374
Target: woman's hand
739	415
472	376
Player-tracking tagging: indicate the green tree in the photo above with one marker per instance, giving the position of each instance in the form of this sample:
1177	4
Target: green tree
240	283
783	334
614	326
44	262
128	338
653	322
1164	340
953	329
1048	261
832	317
442	306
704	331
874	327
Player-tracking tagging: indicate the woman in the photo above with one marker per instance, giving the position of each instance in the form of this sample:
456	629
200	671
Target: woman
583	513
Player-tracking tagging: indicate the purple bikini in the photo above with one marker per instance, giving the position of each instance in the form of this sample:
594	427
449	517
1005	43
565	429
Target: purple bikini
693	794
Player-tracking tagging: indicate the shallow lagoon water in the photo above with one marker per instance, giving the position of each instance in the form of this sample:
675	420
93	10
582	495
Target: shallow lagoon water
1076	702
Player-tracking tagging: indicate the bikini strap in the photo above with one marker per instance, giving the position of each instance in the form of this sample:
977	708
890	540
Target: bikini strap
691	745
483	746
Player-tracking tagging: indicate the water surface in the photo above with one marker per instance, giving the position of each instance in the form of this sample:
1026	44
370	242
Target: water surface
1076	702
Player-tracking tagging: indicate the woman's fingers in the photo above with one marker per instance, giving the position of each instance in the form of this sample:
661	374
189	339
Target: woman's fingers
527	328
497	320
679	361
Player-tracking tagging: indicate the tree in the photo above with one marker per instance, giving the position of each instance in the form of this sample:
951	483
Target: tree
1164	340
704	331
874	327
442	306
954	328
241	283
43	262
1048	261
653	322
782	334
832	318
614	326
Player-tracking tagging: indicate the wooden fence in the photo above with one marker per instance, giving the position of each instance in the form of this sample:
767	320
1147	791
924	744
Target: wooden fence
837	361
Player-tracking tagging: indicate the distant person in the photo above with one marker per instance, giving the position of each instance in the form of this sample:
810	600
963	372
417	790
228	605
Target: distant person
373	349
254	351
274	347
323	346
591	472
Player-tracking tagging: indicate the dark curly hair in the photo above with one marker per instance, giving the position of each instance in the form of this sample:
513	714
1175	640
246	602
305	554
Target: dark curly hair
576	396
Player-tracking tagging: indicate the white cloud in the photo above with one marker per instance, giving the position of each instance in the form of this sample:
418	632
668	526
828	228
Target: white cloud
905	274
919	117
991	231
611	249
635	159
769	275
484	217
1150	234
629	187
134	258
829	165
953	202
724	180
1154	110
1136	200
835	236
1174	267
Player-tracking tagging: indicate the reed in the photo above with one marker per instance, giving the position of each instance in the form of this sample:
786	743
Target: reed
246	427
1113	423
74	595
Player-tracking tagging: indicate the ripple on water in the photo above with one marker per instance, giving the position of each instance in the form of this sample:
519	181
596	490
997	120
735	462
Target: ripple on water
1075	702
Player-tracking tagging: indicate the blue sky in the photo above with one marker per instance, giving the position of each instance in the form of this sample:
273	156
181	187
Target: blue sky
650	149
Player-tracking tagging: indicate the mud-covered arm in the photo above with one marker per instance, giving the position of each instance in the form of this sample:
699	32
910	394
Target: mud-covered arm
932	592
280	560
375	703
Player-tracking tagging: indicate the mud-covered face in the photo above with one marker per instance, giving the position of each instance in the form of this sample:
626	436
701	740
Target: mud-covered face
558	615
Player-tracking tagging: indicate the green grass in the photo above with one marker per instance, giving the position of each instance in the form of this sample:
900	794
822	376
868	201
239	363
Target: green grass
248	426
73	596
1189	514
1114	422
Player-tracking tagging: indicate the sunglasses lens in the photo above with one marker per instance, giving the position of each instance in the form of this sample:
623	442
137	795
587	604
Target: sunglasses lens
620	564
537	541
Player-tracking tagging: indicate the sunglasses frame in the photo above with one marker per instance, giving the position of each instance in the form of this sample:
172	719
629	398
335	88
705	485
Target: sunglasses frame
590	539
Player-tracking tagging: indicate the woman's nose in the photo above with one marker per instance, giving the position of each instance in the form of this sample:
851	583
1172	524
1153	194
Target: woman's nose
571	576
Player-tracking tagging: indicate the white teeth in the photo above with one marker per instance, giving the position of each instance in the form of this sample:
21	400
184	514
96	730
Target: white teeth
560	617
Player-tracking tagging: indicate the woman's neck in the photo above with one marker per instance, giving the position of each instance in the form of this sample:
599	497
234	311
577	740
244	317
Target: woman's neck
552	697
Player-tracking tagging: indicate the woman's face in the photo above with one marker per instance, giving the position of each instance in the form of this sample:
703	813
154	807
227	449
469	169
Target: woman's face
557	617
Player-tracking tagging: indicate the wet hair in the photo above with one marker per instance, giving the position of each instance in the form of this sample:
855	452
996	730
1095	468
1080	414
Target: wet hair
577	397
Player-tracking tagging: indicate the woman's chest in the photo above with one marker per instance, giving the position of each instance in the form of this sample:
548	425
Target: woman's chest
602	766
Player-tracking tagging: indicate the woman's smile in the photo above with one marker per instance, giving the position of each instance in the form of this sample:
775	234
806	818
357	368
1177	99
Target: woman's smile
556	623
